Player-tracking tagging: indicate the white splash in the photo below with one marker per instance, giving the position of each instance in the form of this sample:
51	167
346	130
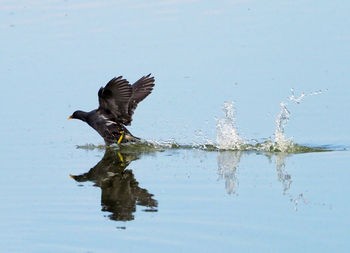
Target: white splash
281	141
227	136
298	99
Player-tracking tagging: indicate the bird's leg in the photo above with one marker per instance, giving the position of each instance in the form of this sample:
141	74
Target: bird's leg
121	137
121	159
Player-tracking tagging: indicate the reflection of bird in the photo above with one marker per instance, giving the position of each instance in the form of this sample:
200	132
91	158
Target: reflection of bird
118	101
120	190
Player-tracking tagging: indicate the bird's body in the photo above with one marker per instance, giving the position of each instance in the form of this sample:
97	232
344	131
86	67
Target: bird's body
118	100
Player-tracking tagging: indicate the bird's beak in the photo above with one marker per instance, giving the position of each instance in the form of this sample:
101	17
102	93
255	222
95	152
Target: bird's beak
70	117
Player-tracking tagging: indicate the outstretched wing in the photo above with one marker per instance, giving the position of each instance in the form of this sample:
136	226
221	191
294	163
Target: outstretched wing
140	89
114	98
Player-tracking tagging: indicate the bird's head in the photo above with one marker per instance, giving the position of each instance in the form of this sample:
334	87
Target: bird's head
79	115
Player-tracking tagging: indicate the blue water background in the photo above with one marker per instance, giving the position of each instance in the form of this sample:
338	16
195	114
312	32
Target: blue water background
54	57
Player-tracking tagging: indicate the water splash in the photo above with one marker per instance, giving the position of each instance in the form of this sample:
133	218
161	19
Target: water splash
301	97
227	136
202	140
297	100
281	142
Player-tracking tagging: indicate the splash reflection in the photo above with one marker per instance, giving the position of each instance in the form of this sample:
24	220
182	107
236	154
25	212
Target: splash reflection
286	180
282	173
227	169
120	190
228	162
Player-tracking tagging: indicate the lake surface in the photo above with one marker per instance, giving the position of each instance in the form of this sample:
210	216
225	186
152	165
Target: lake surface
209	182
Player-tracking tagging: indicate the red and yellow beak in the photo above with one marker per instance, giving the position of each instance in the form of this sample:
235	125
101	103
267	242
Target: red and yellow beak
70	117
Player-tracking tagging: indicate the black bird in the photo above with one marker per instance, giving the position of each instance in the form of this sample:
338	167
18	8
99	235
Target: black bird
118	101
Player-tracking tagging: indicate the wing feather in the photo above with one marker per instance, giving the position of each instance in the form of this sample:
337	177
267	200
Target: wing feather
119	99
140	90
114	98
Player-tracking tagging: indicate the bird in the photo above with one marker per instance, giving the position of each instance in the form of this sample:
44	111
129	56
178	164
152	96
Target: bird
120	190
117	103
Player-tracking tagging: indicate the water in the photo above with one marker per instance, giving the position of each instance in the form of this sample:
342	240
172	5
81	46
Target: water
227	136
265	173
